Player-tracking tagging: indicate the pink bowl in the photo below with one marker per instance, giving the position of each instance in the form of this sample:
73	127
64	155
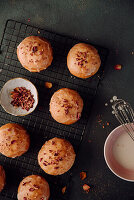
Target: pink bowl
114	166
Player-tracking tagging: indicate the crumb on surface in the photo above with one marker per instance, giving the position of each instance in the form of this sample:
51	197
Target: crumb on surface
48	85
118	67
86	188
83	175
64	189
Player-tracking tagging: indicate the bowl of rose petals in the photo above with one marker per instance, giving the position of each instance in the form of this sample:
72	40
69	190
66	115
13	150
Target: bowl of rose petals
19	97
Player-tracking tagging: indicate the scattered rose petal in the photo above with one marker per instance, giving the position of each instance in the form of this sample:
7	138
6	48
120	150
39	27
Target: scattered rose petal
36	186
34	49
31	189
83	175
86	188
117	67
53	142
48	85
13	141
56	167
64	189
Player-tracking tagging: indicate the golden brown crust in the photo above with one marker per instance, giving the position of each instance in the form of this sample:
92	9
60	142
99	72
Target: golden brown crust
56	156
66	106
83	60
2	178
14	140
35	53
33	187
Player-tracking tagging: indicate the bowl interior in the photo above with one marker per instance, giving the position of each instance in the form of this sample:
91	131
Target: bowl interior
5	96
121	169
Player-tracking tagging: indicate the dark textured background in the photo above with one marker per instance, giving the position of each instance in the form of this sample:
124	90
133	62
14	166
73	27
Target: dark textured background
109	23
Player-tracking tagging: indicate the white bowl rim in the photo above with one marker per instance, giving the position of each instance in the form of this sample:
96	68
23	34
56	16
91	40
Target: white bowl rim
118	127
35	90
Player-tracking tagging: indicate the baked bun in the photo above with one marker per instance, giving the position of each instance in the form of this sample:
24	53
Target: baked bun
83	60
56	156
2	178
14	140
66	106
35	53
33	187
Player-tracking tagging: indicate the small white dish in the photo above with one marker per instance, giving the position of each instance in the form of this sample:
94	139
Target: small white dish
5	96
118	153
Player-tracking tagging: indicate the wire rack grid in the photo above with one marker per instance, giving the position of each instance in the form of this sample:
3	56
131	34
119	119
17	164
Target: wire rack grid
40	124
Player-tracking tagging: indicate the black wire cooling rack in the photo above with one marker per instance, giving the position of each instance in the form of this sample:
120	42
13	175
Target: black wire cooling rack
40	124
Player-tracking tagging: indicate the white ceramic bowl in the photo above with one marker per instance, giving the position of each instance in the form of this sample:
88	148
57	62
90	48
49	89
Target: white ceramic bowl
5	96
114	165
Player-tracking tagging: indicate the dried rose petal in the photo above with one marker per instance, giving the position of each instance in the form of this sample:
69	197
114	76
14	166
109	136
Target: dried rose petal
48	85
78	115
86	188
65	100
66	111
56	154
117	67
31	189
64	189
34	49
56	167
36	186
44	164
53	142
60	158
83	175
22	98
41	52
13	141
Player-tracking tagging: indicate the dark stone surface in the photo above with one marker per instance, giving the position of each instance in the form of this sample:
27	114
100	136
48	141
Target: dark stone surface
109	23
